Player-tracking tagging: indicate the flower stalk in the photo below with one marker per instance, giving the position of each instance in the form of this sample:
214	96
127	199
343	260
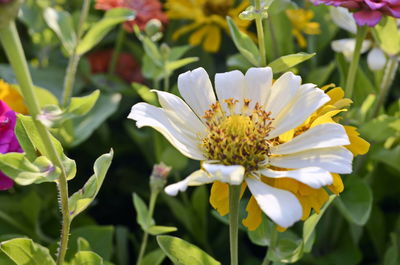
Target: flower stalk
260	33
351	75
387	81
117	49
234	199
12	45
70	74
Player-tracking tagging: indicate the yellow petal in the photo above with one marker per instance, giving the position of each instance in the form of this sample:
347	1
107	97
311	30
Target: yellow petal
335	94
287	136
300	38
312	28
254	215
337	185
326	118
358	146
219	197
212	40
11	96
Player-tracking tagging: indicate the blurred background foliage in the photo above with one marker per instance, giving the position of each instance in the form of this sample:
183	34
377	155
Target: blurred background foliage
362	226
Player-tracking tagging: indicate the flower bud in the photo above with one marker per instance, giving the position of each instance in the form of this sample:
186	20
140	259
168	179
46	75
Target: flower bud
8	11
153	27
158	177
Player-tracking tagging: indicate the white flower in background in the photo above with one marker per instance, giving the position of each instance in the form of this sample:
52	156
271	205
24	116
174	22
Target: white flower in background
344	19
236	134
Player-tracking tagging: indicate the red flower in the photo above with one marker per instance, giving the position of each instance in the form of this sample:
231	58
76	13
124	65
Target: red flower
145	11
127	67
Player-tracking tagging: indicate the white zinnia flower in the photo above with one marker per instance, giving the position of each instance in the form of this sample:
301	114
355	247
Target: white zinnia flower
345	20
236	134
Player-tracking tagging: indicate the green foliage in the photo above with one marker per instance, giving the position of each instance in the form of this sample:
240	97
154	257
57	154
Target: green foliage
23	251
81	199
388	36
155	257
181	252
97	32
286	62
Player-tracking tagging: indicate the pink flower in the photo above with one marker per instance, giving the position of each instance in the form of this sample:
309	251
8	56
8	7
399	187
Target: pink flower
8	139
367	12
145	11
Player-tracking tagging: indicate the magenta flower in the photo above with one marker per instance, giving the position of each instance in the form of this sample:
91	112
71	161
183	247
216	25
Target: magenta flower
8	139
367	12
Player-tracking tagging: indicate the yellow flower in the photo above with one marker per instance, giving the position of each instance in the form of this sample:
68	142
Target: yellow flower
208	19
12	98
301	23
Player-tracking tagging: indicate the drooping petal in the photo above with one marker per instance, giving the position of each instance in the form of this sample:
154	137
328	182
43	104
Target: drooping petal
180	113
314	177
367	17
333	159
306	101
147	115
196	89
259	82
337	185
254	216
283	92
358	146
280	205
219	197
347	46
344	19
231	85
227	174
322	136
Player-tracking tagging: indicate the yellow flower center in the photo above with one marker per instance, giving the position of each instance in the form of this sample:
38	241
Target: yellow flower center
237	139
217	7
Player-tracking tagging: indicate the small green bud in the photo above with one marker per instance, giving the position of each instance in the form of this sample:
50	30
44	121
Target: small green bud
158	177
153	27
8	11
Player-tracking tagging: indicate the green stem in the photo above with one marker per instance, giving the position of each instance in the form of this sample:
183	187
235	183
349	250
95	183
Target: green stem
70	73
166	82
266	261
12	45
143	245
387	81
260	34
274	41
117	49
351	75
234	198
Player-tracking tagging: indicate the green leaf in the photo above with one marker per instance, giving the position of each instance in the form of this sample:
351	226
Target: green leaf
23	172
389	157
181	252
238	61
100	239
159	230
83	244
172	66
355	203
27	128
381	128
87	258
392	256
61	23
142	213
311	223
262	235
80	106
388	36
288	249
152	51
145	93
81	199
178	51
24	251
244	43
97	32
155	257
286	62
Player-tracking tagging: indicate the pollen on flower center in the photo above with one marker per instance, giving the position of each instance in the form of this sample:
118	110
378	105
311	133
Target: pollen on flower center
237	139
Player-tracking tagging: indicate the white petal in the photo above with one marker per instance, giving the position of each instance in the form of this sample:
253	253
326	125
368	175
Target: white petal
230	85
344	19
228	174
147	115
333	159
280	205
180	113
376	59
324	135
259	82
232	175
196	89
306	101
283	92
314	177
347	46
